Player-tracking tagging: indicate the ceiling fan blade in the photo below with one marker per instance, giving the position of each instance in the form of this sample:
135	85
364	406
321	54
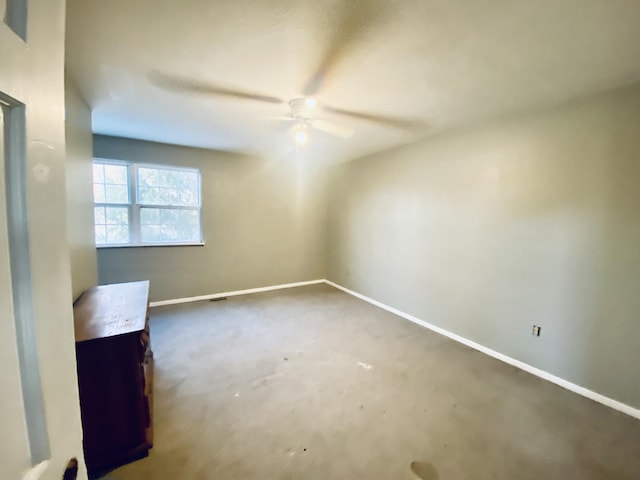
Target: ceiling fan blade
180	84
401	123
282	118
354	21
425	470
335	129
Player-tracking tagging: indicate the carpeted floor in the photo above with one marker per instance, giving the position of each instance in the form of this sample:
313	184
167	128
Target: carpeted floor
310	383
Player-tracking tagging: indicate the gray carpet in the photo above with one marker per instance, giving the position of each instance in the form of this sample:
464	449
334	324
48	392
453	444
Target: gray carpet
311	383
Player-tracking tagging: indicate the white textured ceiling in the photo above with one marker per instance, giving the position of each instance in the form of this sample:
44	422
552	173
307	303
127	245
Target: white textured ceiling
442	62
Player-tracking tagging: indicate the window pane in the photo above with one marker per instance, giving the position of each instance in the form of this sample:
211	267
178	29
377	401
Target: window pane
152	233
157	186
111	224
150	216
98	173
98	193
169	225
148	177
99	216
101	234
115	174
189	197
117	216
117	194
117	234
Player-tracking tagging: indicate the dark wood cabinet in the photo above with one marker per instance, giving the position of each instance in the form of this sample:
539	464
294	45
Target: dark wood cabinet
115	374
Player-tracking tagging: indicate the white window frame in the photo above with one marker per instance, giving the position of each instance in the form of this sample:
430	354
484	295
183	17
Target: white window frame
134	207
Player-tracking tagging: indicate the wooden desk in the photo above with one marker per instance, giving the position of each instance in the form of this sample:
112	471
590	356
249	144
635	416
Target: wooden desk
115	374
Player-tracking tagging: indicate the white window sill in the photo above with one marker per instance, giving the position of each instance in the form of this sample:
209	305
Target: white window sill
147	245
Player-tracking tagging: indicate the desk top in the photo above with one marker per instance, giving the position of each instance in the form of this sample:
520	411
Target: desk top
110	310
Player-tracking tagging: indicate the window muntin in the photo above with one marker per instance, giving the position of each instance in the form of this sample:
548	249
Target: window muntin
142	204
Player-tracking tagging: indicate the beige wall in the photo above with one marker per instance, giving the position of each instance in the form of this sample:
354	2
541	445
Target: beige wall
534	219
82	248
263	224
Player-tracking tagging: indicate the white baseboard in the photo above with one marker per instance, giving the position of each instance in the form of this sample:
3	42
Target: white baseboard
199	298
609	402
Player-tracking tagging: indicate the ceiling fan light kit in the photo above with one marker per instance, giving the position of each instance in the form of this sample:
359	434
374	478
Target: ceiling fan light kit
301	134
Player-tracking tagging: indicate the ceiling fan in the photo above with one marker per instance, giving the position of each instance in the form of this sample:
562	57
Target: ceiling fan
306	111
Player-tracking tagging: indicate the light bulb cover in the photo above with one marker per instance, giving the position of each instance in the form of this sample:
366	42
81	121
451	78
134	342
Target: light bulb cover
301	137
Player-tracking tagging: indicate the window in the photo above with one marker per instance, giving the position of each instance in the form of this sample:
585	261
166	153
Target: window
140	204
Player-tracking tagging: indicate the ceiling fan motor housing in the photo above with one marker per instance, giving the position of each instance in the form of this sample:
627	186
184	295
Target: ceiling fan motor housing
300	109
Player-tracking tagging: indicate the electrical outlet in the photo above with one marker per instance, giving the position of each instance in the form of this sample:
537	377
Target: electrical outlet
536	330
